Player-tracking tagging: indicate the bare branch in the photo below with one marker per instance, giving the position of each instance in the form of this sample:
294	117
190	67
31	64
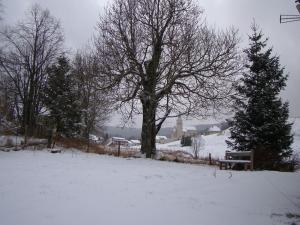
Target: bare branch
163	54
28	49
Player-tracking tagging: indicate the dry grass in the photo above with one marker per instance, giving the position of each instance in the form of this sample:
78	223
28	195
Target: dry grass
7	132
183	157
163	155
214	161
80	144
126	153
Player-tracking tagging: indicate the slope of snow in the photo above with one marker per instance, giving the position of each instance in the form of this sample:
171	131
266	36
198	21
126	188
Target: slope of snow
40	188
216	145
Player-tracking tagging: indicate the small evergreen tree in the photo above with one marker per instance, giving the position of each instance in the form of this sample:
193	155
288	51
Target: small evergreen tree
261	119
186	141
61	98
95	104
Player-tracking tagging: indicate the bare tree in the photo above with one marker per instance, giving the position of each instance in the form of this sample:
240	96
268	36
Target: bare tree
95	104
6	98
198	144
1	10
162	60
29	48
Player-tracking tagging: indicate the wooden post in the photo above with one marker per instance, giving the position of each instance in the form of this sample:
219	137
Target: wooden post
17	134
252	160
25	134
54	136
119	148
88	144
50	137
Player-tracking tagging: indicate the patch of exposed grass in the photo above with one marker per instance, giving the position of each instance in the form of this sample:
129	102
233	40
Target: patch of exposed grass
292	216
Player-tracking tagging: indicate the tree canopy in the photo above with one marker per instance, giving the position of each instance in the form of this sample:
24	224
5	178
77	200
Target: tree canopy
162	60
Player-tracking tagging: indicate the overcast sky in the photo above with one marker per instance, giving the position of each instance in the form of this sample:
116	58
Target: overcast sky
79	17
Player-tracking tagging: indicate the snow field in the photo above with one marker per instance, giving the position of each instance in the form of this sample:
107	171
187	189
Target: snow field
216	145
37	187
213	144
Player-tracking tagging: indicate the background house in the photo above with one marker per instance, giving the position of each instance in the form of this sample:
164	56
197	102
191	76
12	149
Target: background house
189	131
179	130
213	130
115	141
161	139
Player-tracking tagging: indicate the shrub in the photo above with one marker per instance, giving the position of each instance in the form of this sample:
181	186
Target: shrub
186	141
9	142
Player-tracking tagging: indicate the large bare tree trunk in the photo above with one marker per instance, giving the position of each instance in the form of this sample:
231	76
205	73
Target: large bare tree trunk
149	104
148	129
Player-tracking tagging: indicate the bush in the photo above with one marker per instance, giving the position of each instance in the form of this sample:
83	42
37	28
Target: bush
9	142
186	141
80	144
291	164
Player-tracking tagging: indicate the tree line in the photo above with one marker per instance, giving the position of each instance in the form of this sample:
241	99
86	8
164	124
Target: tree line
39	80
159	59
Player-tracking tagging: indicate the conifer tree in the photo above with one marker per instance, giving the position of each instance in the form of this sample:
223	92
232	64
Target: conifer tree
62	99
261	119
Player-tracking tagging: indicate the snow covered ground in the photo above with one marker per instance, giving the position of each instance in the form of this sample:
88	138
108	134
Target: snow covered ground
214	144
73	188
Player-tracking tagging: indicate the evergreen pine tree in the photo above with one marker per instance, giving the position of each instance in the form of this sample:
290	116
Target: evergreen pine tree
61	98
261	119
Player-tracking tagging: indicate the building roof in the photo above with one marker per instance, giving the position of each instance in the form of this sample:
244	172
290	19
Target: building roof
161	137
118	139
135	141
185	129
93	137
214	128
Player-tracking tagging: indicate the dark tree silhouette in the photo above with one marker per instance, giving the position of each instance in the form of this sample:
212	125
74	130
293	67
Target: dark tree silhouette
162	60
261	119
61	98
29	48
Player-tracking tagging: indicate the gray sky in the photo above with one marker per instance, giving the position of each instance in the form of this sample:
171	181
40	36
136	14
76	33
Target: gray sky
79	17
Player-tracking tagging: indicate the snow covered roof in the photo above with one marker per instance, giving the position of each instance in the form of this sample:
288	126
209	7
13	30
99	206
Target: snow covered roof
214	129
135	141
161	137
185	129
93	137
118	138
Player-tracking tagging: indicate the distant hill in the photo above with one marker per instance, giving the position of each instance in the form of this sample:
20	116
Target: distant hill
135	133
128	133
